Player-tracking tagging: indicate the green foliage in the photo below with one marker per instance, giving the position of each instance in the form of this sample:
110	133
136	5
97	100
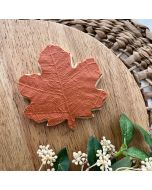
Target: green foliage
146	135
92	147
124	162
127	129
135	153
62	163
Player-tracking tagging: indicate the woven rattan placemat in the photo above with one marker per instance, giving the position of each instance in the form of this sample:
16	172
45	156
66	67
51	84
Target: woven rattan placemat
130	41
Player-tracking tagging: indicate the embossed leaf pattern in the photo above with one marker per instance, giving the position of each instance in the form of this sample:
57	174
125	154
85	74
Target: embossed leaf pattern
61	92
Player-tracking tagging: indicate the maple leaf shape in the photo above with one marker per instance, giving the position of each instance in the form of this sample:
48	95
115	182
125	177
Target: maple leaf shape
61	92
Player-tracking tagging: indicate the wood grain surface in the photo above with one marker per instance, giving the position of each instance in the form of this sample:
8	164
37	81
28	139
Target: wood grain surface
21	42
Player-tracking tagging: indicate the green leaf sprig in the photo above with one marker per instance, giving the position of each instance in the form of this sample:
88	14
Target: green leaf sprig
130	153
127	157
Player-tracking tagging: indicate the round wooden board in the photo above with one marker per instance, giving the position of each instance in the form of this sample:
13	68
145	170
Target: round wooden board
21	42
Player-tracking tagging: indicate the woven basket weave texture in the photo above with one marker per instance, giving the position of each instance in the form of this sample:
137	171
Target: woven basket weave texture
130	41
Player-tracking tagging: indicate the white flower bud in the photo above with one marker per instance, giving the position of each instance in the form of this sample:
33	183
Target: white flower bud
47	155
84	154
48	162
76	163
103	161
80	162
146	159
147	164
79	158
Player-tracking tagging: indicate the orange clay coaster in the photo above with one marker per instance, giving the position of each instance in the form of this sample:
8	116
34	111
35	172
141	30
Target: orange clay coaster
61	92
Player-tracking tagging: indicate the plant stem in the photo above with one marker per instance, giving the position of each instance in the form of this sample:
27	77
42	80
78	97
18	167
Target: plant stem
128	169
82	167
121	150
41	167
91	166
118	153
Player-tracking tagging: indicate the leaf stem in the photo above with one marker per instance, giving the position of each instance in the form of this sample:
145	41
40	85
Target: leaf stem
118	153
91	166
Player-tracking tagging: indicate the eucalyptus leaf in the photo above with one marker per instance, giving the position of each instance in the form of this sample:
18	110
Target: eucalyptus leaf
135	153
62	163
124	162
92	147
146	135
127	129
